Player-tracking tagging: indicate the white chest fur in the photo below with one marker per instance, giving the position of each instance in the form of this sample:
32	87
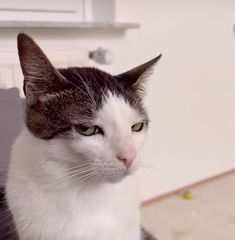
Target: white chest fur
100	212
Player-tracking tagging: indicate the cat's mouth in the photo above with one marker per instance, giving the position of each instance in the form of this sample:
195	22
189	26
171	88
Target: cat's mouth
97	173
117	175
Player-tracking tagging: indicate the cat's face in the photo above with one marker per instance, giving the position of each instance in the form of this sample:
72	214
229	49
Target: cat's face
95	123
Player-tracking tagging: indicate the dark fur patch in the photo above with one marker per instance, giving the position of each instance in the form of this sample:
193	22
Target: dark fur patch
7	227
58	98
145	235
58	111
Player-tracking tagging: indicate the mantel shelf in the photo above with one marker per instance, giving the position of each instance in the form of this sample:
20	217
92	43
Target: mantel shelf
78	25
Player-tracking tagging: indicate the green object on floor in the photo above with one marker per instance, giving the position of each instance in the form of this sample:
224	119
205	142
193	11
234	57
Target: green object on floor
187	195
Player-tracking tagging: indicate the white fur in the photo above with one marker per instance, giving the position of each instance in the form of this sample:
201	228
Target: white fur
49	204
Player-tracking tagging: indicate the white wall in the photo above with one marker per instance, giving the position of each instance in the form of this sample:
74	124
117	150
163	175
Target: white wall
191	94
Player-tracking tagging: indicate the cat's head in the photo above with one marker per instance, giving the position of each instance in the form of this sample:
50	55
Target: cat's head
95	123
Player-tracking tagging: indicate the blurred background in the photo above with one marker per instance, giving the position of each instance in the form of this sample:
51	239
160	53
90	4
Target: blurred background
190	95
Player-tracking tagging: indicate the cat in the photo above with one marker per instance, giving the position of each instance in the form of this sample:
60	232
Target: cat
71	174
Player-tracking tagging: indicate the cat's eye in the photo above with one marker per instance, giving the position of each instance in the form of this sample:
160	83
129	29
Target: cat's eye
137	127
88	130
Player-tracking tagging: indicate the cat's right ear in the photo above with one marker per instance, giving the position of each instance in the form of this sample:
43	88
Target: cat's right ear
137	76
40	77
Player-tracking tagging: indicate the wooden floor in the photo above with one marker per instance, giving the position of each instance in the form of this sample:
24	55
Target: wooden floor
210	215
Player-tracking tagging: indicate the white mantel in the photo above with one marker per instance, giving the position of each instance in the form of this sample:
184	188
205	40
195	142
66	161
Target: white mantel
68	24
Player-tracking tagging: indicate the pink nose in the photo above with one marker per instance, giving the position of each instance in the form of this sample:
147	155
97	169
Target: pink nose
127	156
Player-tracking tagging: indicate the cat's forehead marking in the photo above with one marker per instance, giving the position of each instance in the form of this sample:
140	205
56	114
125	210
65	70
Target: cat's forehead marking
117	112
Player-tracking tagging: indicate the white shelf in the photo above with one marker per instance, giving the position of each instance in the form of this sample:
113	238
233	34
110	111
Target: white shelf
79	25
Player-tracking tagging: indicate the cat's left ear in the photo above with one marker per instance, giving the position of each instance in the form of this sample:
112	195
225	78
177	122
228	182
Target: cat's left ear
40	76
138	75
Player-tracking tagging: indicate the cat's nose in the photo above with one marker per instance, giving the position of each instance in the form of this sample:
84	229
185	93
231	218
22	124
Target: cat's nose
127	156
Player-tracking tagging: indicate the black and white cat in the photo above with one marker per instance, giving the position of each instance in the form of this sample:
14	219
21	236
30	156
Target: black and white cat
71	171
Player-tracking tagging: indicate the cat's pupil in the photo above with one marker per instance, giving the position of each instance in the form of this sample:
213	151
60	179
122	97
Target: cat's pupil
84	128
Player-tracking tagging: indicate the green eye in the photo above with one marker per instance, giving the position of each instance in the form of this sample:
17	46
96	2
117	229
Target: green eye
88	131
137	127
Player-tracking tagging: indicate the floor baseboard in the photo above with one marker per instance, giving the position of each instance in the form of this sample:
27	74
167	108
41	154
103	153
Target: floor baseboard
178	191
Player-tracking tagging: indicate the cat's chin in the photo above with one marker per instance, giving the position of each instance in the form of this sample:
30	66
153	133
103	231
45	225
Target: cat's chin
115	180
118	178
